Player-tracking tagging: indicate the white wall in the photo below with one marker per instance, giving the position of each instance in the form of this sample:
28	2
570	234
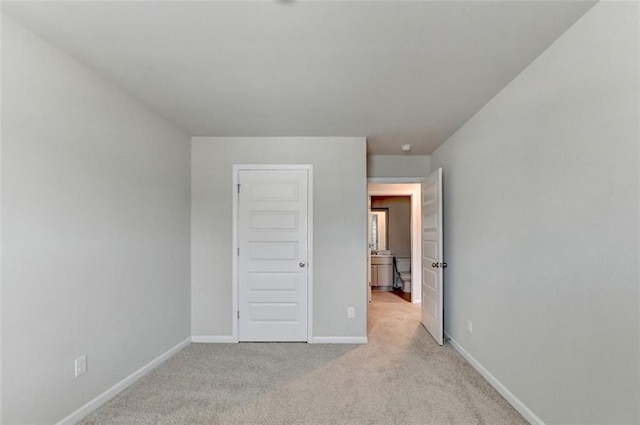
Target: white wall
398	165
95	232
339	233
541	227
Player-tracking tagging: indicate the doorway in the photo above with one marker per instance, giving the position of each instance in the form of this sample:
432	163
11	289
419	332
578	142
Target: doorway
389	194
391	245
427	263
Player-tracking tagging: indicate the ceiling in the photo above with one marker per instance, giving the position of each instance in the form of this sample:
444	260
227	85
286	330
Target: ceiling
397	72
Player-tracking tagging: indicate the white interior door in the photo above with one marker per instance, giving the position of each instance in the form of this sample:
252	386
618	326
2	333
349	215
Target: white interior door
272	258
432	262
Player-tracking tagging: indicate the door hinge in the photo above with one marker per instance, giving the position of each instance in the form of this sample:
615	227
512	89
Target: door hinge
238	314
238	252
238	187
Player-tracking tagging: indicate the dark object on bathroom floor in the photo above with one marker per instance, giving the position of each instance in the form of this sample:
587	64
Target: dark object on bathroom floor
404	295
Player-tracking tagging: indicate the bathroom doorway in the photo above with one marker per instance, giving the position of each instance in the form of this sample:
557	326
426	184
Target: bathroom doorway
391	244
394	237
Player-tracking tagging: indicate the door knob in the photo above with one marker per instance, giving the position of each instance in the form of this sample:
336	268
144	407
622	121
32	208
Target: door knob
434	265
302	264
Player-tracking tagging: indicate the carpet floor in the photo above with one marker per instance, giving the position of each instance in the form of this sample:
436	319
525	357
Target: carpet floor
400	377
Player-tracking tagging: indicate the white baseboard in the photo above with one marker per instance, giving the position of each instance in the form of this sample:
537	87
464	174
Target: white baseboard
226	339
339	340
92	405
504	391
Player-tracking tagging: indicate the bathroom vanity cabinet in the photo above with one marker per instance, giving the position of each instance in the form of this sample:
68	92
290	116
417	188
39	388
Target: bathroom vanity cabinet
382	270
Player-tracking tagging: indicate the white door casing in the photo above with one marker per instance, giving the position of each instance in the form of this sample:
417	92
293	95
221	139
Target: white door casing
273	235
432	261
369	238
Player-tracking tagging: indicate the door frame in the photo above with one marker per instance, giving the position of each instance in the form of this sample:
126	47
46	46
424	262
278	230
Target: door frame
416	225
235	244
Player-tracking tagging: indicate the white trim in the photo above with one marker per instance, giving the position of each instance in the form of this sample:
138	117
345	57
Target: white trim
1	274
223	339
234	248
395	180
310	261
1	265
339	340
495	383
234	274
94	404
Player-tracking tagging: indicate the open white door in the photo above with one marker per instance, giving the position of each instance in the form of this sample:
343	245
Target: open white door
432	262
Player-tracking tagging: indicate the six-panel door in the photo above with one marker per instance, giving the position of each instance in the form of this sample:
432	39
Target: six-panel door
432	293
272	262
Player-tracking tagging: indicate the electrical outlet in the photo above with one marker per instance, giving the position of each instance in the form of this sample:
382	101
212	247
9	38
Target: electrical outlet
470	326
351	312
81	365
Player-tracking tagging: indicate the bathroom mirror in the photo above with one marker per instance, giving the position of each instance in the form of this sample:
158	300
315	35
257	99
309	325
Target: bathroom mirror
379	228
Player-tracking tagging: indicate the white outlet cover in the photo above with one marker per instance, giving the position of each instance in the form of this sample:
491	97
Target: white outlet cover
81	365
351	312
470	326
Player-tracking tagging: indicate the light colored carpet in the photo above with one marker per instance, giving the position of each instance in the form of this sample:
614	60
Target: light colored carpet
401	377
